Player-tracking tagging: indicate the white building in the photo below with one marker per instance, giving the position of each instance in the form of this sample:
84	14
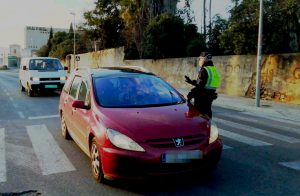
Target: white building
36	37
3	56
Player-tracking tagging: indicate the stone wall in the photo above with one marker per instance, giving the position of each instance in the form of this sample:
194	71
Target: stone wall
280	73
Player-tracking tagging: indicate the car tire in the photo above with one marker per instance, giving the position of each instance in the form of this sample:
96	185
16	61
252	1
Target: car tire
96	162
22	87
64	128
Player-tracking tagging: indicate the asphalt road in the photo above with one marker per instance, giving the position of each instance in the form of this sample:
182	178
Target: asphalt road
261	156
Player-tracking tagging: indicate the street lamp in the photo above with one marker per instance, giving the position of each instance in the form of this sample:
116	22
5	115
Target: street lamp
259	56
72	13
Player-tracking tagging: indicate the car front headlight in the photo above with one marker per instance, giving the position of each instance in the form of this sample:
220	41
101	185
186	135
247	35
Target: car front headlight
122	141
63	78
214	132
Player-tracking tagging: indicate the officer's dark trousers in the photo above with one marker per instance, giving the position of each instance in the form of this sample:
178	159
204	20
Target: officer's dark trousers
203	105
202	101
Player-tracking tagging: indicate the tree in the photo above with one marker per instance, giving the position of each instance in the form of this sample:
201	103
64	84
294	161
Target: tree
186	12
45	50
136	17
241	35
104	23
281	28
165	37
219	25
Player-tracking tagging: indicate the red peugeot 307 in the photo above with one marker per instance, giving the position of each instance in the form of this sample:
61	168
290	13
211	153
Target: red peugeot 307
132	124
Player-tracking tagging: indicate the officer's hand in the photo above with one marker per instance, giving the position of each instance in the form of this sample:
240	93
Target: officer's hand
187	79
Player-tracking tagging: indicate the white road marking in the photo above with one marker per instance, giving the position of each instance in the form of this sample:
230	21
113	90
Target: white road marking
42	117
273	118
280	127
2	156
21	115
258	131
51	158
243	139
293	165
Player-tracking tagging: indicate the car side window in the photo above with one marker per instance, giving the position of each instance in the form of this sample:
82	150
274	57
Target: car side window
82	91
74	86
68	83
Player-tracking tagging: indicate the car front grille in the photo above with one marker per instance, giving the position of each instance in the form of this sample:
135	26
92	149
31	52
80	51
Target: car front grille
49	79
169	143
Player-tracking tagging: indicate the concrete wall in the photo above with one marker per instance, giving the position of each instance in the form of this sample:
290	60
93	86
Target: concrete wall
280	73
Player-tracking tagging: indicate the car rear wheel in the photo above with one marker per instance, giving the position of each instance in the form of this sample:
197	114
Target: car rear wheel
96	162
64	129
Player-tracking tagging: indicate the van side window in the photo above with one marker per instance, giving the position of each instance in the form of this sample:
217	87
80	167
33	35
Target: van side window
74	86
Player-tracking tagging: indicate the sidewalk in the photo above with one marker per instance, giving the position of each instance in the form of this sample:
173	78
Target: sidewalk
268	109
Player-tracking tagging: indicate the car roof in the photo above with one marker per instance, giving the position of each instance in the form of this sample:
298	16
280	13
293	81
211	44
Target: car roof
114	71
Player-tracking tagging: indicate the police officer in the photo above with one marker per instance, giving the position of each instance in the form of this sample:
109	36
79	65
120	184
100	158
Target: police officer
206	84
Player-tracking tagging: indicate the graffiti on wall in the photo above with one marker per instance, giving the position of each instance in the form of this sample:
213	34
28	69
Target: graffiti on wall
275	82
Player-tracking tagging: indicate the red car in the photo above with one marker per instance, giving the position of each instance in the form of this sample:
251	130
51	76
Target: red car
132	124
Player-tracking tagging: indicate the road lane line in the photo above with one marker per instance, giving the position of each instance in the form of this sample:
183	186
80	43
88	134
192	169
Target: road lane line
42	117
243	139
280	127
293	164
287	121
21	115
51	158
258	131
2	156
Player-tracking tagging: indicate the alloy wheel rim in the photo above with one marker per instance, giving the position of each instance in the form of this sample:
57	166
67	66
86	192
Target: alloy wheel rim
63	126
95	160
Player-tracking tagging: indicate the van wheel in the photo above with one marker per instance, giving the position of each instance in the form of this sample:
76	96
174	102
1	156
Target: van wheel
22	87
30	92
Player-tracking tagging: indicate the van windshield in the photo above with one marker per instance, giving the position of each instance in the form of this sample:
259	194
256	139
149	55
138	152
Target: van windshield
45	65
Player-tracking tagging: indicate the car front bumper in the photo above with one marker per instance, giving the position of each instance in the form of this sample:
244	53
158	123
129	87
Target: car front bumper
122	164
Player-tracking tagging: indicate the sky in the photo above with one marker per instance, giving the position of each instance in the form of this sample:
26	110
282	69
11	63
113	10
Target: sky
16	14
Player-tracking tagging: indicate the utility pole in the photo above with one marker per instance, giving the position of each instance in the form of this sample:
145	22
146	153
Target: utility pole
259	55
74	26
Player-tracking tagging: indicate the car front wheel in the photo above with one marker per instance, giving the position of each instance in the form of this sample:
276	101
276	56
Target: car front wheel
96	162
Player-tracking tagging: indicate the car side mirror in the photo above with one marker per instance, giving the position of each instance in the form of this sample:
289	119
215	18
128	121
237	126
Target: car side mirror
79	104
66	68
24	68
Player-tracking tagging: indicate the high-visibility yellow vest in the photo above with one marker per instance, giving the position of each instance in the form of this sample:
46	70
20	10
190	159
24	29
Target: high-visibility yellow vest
214	78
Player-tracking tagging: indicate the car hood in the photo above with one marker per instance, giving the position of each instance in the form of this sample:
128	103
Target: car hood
143	124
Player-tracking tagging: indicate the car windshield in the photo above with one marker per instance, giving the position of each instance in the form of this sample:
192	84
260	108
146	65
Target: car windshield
45	64
134	90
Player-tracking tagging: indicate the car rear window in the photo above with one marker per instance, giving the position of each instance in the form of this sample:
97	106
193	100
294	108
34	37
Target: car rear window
134	90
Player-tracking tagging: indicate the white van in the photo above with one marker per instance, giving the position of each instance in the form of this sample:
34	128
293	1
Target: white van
41	73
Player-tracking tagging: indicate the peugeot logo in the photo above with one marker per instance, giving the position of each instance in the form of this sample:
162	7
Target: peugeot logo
178	142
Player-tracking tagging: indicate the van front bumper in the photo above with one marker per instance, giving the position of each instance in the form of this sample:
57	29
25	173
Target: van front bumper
47	86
